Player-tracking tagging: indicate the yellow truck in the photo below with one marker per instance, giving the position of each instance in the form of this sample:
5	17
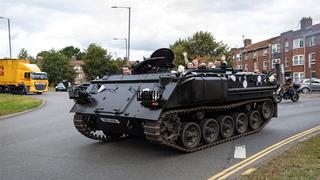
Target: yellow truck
18	76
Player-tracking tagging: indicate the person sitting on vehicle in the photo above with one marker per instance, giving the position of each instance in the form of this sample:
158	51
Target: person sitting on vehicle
211	65
203	65
190	65
288	87
126	70
195	63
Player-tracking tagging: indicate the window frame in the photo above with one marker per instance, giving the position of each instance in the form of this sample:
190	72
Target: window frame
274	62
297	43
300	61
300	76
286	62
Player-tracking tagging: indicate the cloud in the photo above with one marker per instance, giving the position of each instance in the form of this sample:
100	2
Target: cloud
42	24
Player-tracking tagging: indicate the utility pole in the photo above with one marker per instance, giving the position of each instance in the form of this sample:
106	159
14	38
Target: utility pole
9	35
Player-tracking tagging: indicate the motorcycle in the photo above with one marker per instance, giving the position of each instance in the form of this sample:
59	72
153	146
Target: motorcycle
281	94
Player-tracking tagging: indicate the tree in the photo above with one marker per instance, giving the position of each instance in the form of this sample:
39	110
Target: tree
178	48
56	64
97	62
23	54
70	51
118	63
201	44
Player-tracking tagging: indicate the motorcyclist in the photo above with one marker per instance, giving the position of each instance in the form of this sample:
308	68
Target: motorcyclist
287	87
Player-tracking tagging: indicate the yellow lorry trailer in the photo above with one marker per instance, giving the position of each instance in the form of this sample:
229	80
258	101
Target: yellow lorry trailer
18	76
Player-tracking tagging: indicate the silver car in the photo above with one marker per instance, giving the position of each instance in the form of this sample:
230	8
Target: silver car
305	85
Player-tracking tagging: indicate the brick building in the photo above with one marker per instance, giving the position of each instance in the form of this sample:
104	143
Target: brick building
295	51
76	65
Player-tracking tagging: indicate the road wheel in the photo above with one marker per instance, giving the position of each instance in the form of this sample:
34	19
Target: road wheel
241	121
255	120
226	126
209	130
198	115
267	109
295	97
305	90
190	135
278	98
247	108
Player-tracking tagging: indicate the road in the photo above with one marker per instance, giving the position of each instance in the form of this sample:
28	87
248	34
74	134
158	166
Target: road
43	144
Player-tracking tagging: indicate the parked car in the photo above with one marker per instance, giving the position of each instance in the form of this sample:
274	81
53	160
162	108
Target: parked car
61	87
305	85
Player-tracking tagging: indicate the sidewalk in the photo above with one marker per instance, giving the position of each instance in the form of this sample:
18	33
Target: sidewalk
315	94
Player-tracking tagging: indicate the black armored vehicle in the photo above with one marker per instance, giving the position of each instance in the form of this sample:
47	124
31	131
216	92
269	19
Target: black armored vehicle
188	111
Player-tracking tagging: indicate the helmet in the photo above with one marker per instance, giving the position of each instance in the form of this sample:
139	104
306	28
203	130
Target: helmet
288	79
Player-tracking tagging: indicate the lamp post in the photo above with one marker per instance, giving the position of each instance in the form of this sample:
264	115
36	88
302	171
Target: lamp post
126	41
129	9
9	35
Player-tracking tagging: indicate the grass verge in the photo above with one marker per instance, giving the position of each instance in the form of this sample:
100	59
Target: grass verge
15	103
300	162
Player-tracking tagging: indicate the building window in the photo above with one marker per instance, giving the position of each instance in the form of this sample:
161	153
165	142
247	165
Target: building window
254	54
312	58
286	62
255	66
275	48
265	52
246	56
311	41
298	43
265	65
246	67
274	62
239	66
297	60
238	57
298	76
286	46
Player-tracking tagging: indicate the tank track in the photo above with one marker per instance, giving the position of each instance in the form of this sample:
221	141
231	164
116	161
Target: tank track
152	128
82	126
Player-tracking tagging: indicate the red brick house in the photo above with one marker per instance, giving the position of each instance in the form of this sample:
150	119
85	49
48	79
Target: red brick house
295	51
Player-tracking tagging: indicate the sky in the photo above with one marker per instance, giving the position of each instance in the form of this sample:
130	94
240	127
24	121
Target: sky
38	25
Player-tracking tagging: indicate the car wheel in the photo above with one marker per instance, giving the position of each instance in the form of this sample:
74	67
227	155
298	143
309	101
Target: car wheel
305	90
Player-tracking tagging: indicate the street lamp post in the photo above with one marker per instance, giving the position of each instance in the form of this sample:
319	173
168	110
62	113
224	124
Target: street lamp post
129	8
126	42
9	35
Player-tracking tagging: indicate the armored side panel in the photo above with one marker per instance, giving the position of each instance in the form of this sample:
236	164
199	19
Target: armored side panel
116	96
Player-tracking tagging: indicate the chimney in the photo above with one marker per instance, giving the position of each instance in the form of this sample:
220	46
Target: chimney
305	23
247	42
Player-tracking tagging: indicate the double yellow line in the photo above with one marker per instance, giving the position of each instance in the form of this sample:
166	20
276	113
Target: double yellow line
235	168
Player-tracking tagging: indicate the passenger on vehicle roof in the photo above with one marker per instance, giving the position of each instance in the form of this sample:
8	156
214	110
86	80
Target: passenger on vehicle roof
211	65
126	70
190	65
195	63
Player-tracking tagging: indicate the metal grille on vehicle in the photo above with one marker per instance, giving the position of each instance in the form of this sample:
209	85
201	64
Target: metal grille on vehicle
40	86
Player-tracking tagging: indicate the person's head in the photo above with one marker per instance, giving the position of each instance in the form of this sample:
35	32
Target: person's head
288	79
190	65
217	63
195	63
210	64
203	64
126	70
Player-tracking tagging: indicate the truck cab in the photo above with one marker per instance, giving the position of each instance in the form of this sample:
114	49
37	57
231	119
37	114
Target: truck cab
19	76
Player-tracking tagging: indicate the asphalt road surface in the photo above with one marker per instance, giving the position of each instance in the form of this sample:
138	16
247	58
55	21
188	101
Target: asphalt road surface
43	144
